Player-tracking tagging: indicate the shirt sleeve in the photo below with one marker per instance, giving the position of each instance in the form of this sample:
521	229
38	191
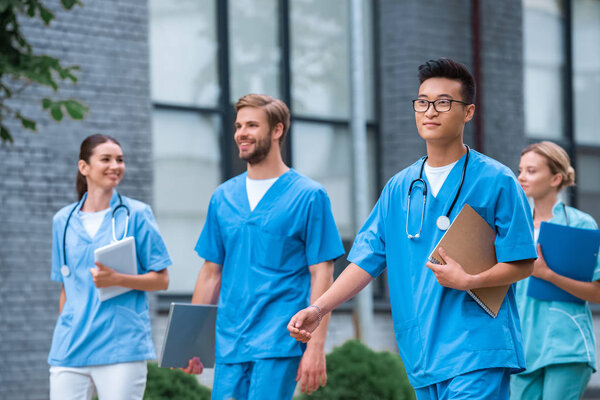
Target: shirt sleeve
513	223
368	250
210	243
150	247
55	273
322	240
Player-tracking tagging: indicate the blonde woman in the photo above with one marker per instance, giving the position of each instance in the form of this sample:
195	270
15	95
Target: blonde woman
558	336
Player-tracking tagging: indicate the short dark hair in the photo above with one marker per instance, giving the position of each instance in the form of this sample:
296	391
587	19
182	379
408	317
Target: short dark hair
450	69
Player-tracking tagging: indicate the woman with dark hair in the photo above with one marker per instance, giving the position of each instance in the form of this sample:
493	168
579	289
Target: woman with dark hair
558	337
103	344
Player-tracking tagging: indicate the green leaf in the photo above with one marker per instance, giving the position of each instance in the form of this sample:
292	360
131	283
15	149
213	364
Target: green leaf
75	109
46	14
46	103
5	134
68	4
55	110
27	123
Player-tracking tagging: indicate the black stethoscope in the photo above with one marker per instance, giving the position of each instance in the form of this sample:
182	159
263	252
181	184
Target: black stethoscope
443	221
64	270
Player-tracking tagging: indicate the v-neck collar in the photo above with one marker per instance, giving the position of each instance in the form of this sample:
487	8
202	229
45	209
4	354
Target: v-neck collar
270	193
450	186
78	224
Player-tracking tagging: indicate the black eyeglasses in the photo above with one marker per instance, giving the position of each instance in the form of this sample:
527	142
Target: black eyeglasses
439	105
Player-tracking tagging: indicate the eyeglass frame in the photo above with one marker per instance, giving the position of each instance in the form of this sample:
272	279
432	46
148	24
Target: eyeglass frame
435	108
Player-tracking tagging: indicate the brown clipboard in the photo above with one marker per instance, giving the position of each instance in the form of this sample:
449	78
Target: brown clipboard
470	241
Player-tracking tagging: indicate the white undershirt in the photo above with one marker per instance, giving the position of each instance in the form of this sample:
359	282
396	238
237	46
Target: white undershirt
257	188
437	175
92	220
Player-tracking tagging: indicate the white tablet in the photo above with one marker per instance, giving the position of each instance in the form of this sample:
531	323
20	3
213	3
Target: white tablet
121	257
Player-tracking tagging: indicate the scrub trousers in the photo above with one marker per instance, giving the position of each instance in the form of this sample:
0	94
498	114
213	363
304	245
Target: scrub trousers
554	382
121	381
489	384
269	378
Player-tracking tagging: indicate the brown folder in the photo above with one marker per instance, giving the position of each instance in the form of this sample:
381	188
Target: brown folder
470	241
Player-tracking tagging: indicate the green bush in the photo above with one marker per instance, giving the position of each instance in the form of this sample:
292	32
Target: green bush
355	372
173	384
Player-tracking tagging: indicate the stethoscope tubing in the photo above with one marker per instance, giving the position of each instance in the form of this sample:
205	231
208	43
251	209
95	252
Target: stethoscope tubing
121	205
421	180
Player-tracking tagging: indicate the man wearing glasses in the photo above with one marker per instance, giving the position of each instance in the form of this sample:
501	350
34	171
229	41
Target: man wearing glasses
450	346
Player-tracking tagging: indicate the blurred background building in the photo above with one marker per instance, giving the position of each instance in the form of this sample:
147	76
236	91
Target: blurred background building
162	76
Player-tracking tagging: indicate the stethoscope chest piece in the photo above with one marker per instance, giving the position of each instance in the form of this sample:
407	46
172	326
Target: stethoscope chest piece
443	223
65	271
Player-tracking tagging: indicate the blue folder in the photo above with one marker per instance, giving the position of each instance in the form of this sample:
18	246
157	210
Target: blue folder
568	251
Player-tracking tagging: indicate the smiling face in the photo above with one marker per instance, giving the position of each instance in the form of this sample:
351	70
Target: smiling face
253	134
535	176
443	127
105	168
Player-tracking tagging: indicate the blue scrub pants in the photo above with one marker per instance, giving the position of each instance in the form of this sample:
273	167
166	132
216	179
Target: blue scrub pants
554	382
269	378
486	384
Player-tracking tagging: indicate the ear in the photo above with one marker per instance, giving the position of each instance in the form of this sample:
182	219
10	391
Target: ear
470	112
556	180
83	167
277	131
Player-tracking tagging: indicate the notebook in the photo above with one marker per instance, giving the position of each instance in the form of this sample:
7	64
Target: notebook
470	241
190	333
121	257
568	251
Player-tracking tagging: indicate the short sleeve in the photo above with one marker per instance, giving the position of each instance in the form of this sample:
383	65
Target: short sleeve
322	240
368	250
210	243
150	247
513	223
55	274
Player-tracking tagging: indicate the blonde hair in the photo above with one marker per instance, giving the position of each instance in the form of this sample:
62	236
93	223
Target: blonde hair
276	110
557	159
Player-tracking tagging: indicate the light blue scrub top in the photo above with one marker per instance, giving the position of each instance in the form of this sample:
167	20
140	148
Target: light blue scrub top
441	332
89	332
557	332
265	256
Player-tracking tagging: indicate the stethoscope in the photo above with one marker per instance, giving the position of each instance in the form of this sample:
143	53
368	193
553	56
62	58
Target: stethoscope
443	221
64	270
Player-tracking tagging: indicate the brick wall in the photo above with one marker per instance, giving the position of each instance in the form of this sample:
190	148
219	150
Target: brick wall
109	40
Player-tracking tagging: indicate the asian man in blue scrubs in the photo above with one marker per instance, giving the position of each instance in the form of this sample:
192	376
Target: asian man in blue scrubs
269	242
450	346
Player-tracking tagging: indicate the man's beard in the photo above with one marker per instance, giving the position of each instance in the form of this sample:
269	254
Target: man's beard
261	150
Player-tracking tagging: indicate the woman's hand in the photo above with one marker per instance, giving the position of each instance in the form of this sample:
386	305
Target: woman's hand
104	276
540	268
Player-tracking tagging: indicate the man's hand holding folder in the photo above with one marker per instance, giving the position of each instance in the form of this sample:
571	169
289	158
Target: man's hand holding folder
451	274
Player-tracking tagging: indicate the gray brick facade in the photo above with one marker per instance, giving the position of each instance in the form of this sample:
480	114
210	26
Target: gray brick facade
109	40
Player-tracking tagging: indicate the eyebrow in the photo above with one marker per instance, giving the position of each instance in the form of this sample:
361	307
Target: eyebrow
439	96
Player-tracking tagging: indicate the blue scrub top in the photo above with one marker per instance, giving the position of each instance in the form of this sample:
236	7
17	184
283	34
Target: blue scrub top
89	332
265	254
442	332
558	332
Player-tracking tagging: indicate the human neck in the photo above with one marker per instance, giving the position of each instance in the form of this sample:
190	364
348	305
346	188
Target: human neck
271	167
542	207
440	154
97	199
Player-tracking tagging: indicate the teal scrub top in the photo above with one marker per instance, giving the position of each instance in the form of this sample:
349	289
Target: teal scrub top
442	332
90	332
265	254
558	332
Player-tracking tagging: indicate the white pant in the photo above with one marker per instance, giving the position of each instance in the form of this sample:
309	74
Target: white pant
122	381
